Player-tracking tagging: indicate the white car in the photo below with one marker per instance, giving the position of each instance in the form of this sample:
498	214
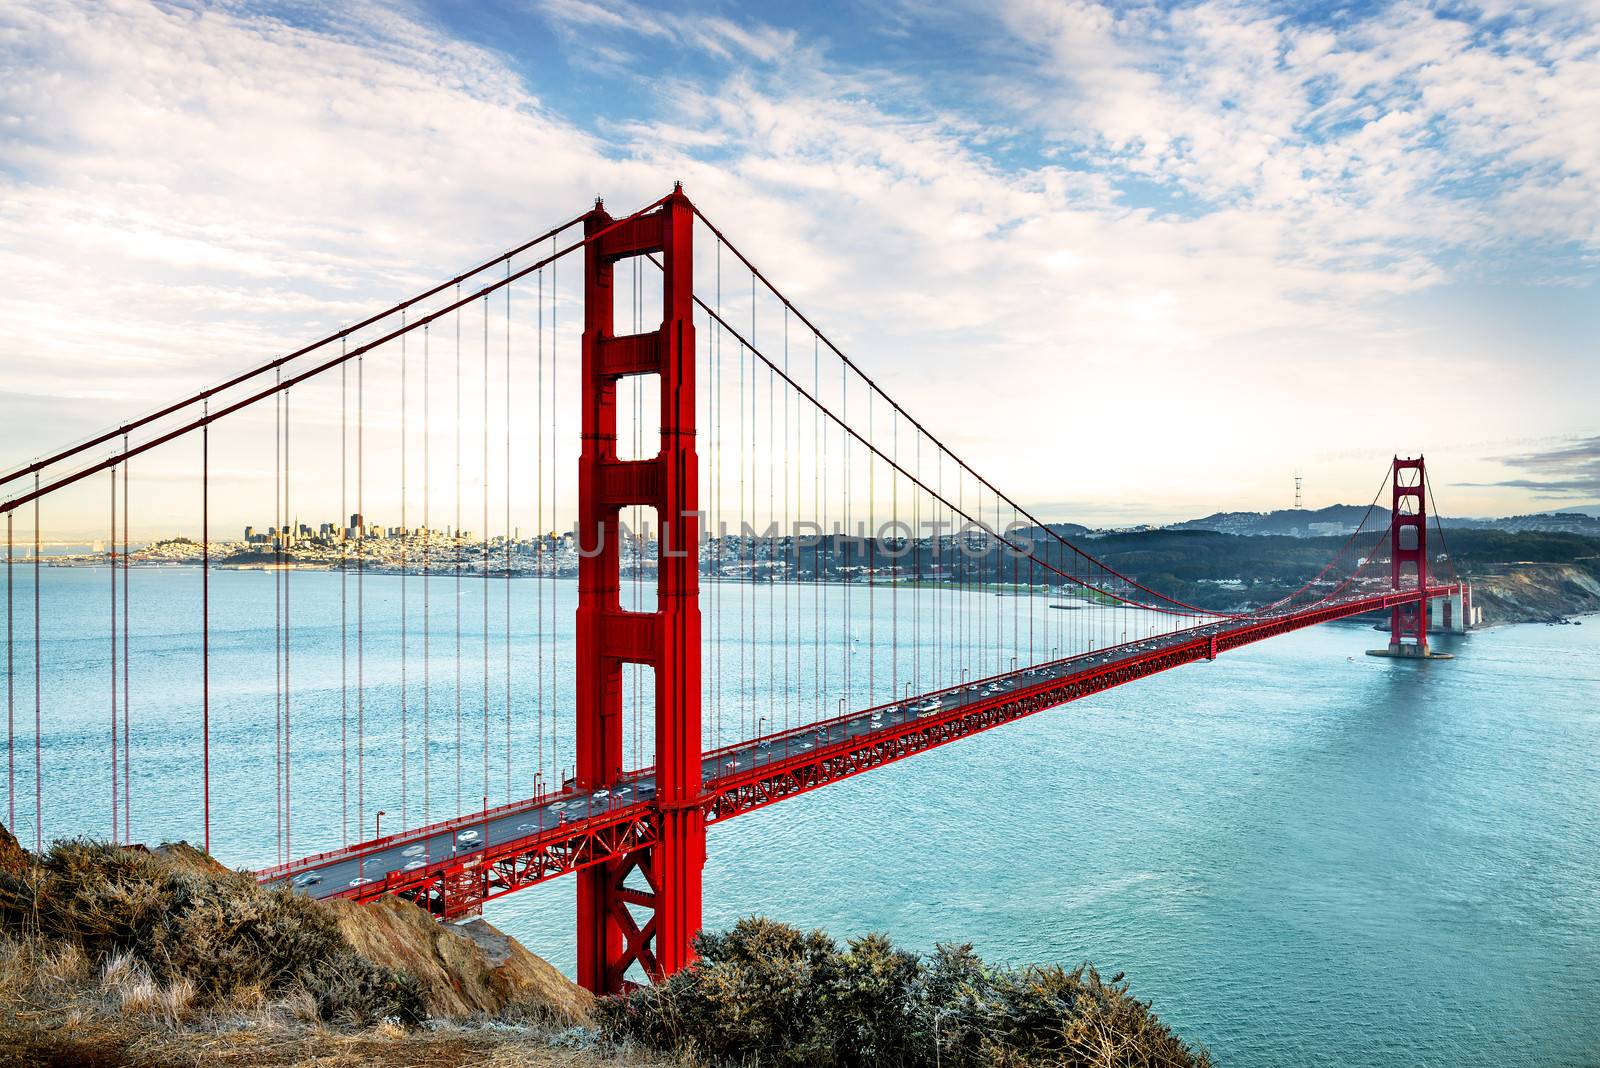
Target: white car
414	865
310	878
413	851
360	880
601	793
467	836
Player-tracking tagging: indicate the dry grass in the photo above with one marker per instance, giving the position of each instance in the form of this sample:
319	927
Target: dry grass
57	1009
198	939
115	957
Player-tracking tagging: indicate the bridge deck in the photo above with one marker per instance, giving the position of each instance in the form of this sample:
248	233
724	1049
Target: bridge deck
454	866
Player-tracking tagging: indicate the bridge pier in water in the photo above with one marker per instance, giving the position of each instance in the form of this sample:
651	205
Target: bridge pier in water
1454	613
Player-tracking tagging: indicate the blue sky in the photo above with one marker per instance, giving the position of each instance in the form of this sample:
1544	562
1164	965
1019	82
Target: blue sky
1263	237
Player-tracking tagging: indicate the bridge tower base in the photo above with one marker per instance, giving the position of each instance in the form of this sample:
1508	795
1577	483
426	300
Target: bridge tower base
644	908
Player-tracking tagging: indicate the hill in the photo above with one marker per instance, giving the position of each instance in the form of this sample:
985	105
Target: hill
1344	518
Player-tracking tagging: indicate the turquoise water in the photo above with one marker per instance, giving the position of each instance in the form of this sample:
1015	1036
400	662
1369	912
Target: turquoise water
1300	854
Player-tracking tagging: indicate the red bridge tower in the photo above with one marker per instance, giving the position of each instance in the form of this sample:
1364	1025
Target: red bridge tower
610	937
1408	555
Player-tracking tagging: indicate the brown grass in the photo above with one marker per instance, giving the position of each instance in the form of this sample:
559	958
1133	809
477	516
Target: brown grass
115	957
200	940
56	1009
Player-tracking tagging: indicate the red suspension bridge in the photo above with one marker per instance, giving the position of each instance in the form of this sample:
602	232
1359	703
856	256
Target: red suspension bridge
782	579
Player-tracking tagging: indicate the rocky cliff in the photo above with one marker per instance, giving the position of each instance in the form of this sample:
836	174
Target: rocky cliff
1537	592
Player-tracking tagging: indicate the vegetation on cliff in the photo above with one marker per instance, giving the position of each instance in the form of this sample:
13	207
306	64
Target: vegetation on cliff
766	993
113	956
207	940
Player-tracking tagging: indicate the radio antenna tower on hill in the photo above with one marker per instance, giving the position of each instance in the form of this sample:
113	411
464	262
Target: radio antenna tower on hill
1297	482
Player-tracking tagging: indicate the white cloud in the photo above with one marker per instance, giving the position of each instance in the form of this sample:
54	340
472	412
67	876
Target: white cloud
187	192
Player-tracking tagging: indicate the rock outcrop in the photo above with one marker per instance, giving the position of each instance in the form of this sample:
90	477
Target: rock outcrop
1536	592
464	970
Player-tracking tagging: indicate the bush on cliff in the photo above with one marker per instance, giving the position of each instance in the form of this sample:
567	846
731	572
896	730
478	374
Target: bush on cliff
767	994
218	933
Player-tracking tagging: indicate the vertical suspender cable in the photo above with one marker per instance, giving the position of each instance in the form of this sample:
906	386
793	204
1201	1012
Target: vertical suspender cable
750	576
38	693
127	685
555	485
508	538
361	597
205	623
637	542
405	649
11	676
288	630
457	545
344	630
483	552
819	498
790	631
772	545
744	579
538	551
722	526
116	785
427	566
277	618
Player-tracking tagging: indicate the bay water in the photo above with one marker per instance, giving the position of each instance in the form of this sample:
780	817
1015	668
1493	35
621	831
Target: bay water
1300	854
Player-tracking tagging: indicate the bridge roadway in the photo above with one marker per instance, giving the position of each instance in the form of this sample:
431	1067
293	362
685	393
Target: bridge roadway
454	866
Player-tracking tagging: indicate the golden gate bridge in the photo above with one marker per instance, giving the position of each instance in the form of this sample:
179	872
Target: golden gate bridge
880	588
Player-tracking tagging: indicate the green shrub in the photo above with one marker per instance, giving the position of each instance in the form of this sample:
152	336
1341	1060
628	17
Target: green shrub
766	994
221	932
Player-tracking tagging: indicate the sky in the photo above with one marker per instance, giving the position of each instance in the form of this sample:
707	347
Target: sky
1134	262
